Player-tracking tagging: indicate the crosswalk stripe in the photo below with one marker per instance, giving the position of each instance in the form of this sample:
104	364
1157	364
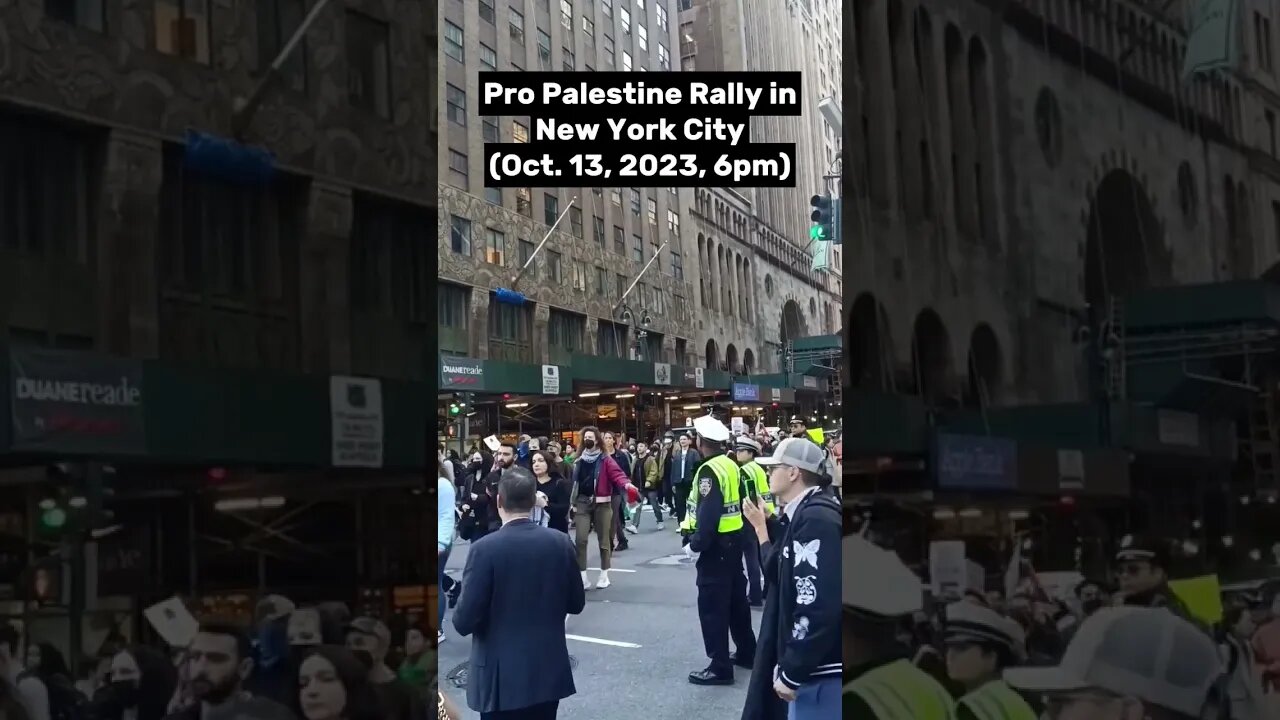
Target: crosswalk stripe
601	641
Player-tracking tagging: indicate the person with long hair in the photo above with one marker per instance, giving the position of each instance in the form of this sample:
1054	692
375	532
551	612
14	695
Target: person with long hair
139	686
418	669
546	471
46	666
596	476
334	685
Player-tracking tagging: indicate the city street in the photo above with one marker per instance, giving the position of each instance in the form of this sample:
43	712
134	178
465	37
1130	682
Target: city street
633	645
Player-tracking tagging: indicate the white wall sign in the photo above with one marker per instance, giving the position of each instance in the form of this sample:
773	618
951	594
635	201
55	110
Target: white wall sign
661	374
699	378
355	409
550	379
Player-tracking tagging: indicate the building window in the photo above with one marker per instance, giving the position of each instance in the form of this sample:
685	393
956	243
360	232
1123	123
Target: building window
575	221
602	282
1262	36
611	339
519	132
677	264
493	195
460	235
566	15
637	248
664	57
89	14
486	11
550	209
183	29
625	16
609	59
579	276
455	104
635	201
619	241
524	202
662	18
458	166
619	285
588	27
597	227
495	244
1275	220
452	303
390	262
510	331
568	62
566	331
453	42
626	61
642	37
1271	131
488	58
606	6
517	27
673	223
489	129
653	211
277	22
369	64
544	49
46	189
555	270
526	251
615	196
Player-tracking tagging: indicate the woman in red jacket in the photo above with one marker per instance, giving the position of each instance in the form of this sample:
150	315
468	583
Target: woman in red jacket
595	475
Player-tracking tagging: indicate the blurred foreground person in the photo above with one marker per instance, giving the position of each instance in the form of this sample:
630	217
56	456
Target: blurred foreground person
217	663
139	686
1129	663
981	643
334	685
881	683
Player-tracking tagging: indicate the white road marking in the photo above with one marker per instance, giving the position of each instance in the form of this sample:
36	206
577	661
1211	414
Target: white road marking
612	570
601	641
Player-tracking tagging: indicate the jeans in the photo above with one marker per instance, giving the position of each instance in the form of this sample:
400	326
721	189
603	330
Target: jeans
655	502
619	534
682	500
817	700
441	593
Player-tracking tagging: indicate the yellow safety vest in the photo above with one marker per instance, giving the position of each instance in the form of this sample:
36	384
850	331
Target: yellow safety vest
730	477
997	701
753	471
900	690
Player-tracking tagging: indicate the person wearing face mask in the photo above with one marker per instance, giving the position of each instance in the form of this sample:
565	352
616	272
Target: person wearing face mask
333	684
370	640
981	643
46	665
596	478
217	663
140	686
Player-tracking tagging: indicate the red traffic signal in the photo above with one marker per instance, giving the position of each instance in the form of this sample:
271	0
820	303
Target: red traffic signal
506	396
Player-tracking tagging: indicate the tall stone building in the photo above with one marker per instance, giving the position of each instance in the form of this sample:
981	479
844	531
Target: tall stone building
1011	172
766	230
236	303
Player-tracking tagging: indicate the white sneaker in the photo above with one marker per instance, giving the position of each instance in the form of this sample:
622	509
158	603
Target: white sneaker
632	529
603	582
586	583
661	526
440	637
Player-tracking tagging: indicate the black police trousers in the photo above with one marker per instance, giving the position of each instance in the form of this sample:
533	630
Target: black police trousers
722	603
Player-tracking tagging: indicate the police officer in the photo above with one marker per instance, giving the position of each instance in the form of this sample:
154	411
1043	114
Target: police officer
757	486
878	593
981	643
714	528
1141	568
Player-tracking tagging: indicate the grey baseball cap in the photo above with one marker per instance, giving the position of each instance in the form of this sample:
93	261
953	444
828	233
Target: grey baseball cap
798	453
1147	653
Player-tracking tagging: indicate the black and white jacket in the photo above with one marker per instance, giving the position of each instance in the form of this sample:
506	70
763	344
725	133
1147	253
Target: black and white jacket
809	591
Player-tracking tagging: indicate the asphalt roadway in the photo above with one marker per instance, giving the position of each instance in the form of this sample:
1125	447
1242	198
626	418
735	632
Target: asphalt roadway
633	646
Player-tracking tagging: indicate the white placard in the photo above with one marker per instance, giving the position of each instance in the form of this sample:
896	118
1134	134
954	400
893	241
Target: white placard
661	373
550	380
492	443
699	378
948	574
355	410
173	621
738	426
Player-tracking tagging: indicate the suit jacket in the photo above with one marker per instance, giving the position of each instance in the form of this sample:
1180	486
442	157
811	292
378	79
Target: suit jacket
690	466
518	585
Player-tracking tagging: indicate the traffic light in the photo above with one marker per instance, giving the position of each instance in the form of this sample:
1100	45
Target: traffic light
824	218
454	409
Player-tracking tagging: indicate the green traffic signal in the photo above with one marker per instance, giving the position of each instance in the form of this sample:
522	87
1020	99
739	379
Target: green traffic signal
54	519
453	409
824	218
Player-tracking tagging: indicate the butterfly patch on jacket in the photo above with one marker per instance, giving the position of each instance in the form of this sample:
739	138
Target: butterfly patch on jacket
807	552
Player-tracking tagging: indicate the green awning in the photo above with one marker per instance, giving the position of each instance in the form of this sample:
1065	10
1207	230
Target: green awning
1208	305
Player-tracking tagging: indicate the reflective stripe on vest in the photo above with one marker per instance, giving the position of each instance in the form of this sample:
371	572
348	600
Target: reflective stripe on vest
730	477
900	690
997	701
753	470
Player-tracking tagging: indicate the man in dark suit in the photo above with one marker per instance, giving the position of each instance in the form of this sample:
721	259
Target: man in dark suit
519	584
684	463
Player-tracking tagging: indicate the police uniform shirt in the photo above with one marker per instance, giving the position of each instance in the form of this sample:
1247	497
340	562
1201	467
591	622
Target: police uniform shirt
809	585
710	507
